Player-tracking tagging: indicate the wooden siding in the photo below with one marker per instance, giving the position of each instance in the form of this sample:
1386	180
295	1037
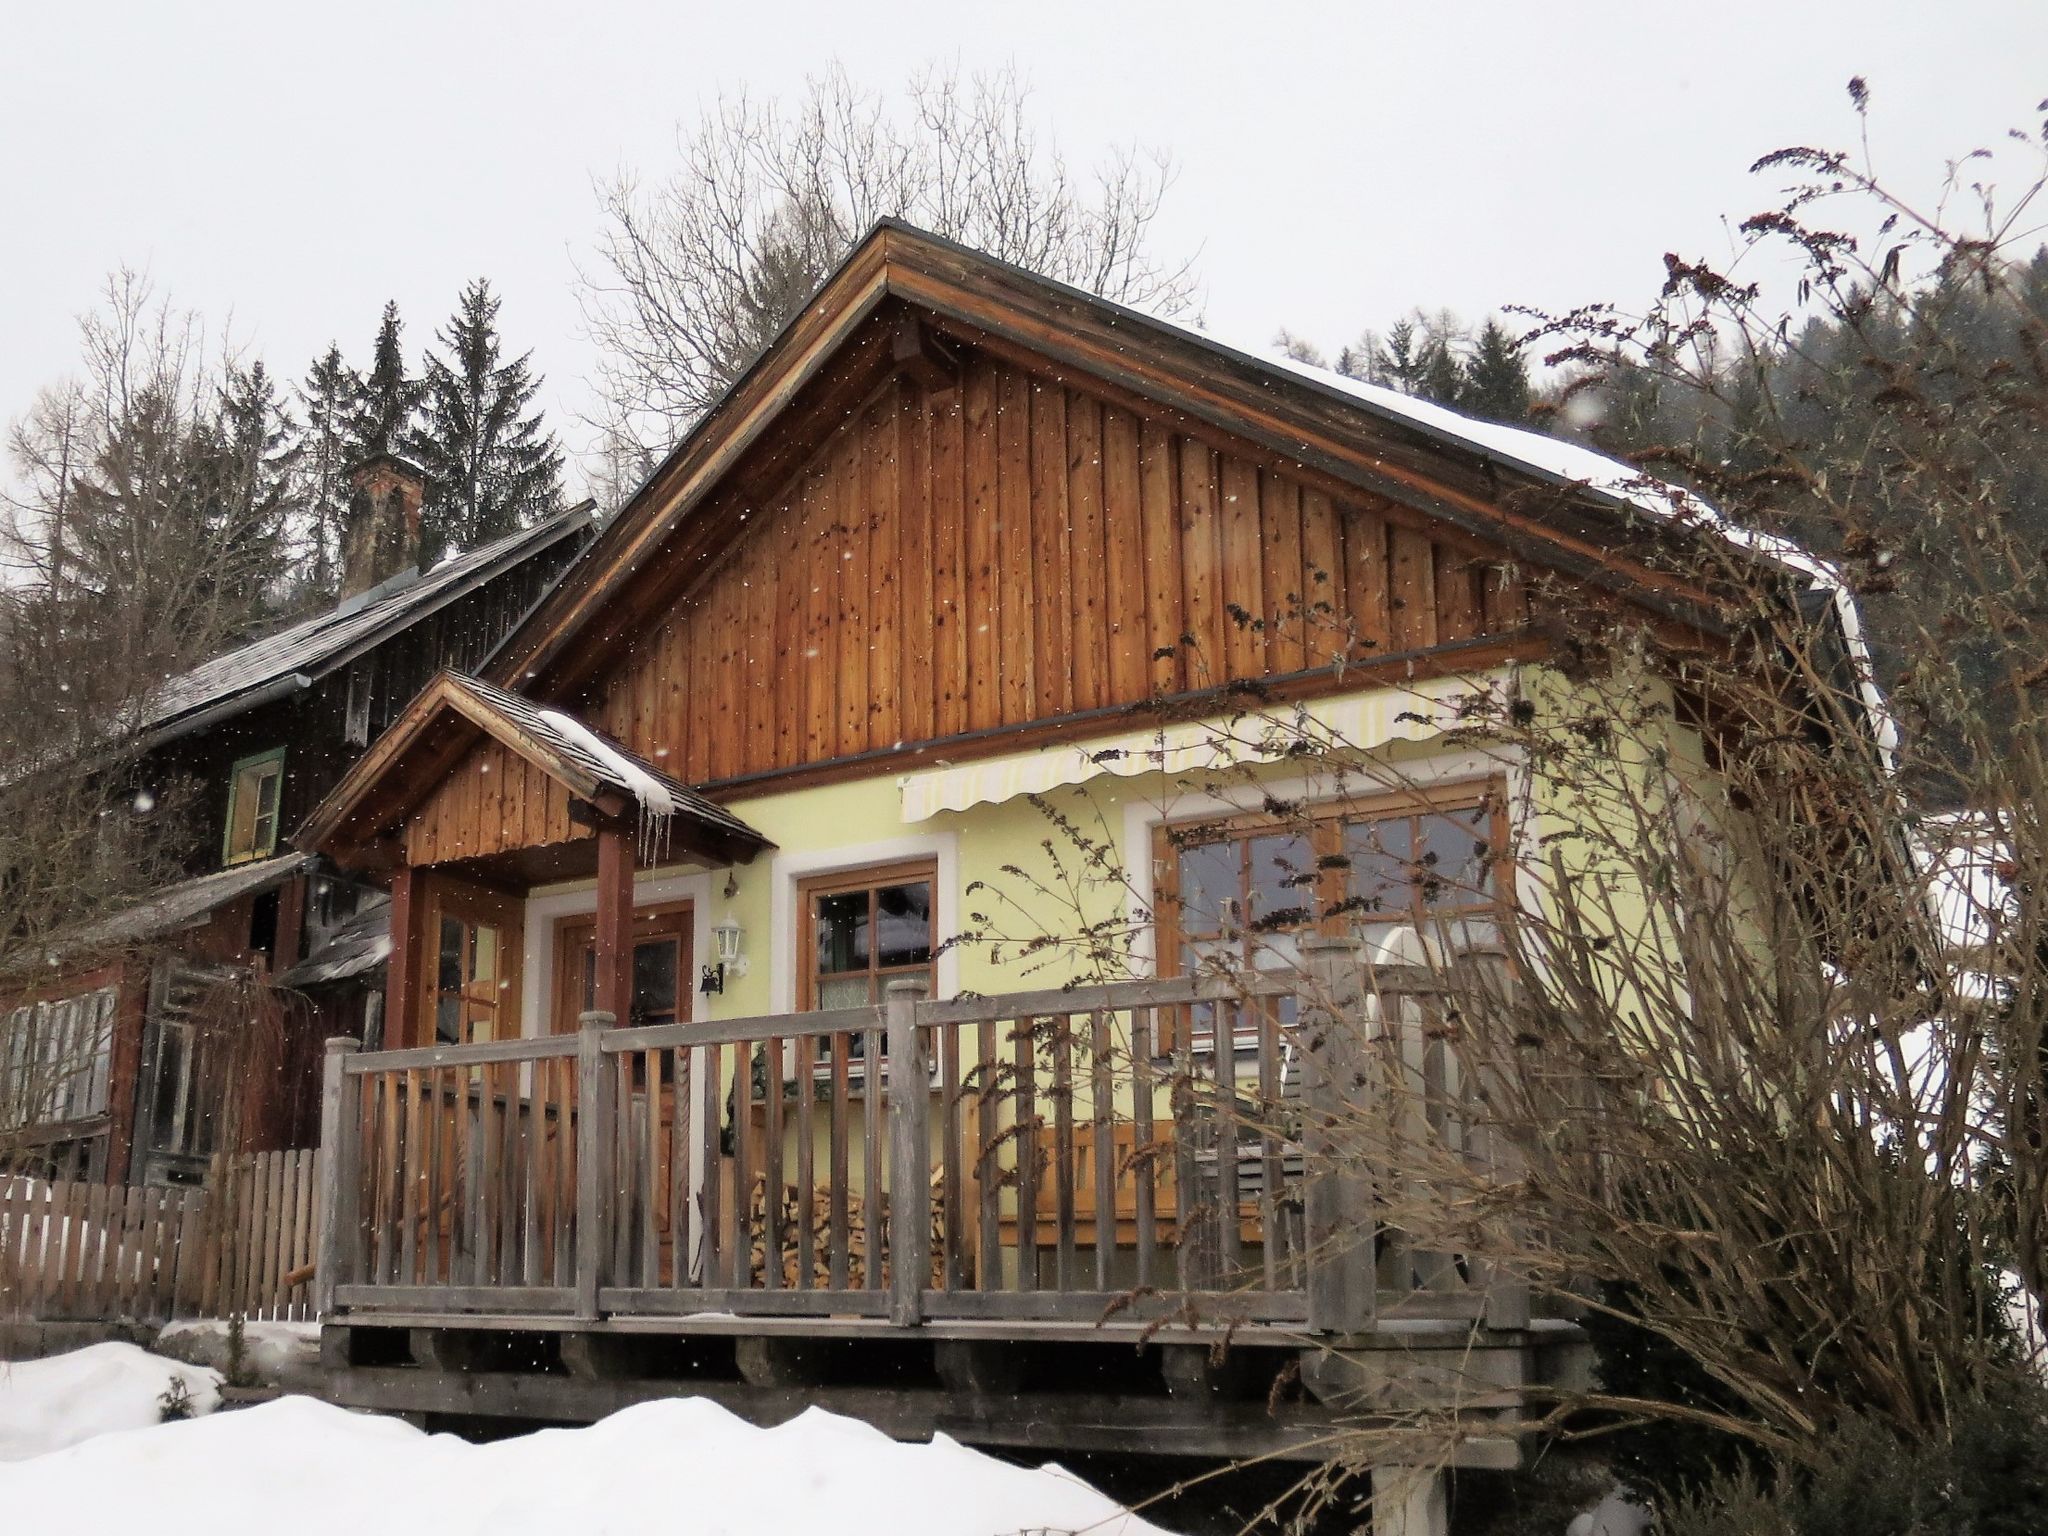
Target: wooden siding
1011	550
494	801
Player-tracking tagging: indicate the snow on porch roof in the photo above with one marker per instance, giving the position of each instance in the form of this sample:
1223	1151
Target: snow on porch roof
384	786
182	905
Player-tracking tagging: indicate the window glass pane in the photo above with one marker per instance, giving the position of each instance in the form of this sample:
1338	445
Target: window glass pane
483	955
1454	863
1283	876
268	781
843	931
451	955
655	964
844	992
1377	882
1209	878
589	979
448	1019
904	923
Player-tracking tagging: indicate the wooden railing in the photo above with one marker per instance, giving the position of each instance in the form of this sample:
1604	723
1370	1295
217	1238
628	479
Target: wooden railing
240	1245
1049	1156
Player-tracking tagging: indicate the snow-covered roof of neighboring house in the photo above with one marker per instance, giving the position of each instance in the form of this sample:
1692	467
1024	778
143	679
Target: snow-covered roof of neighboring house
184	905
359	945
300	654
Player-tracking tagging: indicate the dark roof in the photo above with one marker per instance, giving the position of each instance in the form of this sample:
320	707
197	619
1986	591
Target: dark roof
184	905
361	944
598	755
300	654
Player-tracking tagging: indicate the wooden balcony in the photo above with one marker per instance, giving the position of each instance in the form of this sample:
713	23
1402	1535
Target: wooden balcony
1068	1167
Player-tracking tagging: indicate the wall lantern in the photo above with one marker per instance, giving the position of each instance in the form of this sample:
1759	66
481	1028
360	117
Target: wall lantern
727	938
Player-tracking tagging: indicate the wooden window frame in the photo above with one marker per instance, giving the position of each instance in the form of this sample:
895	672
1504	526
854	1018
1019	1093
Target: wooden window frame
471	904
1326	824
576	931
258	848
868	877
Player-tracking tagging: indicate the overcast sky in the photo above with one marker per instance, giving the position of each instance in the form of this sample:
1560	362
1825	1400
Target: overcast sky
294	166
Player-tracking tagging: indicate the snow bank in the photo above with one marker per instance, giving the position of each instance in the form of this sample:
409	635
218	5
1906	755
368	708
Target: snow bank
680	1467
47	1405
271	1352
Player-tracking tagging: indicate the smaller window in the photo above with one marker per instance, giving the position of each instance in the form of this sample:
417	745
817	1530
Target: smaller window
253	798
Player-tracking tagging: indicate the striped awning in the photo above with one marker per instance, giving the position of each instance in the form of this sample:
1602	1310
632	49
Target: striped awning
1362	722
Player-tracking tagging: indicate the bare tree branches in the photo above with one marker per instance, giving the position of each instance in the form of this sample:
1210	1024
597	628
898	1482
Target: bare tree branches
697	272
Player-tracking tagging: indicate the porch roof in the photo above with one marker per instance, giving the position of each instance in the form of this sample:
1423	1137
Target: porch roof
452	715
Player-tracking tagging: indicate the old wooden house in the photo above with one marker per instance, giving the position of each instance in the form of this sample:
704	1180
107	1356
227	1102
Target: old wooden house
111	1066
684	1087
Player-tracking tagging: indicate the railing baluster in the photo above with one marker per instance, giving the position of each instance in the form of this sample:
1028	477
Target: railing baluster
742	1241
1143	1155
988	1171
512	1200
1102	1119
954	1267
842	1172
1272	1239
625	1163
1064	1260
1229	1124
708	1190
408	1248
873	1227
653	1188
1188	1128
681	1112
771	1166
1025	1051
805	1074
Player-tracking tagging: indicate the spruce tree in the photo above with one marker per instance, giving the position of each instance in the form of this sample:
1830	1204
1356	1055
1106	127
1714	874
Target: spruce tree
491	465
328	400
1496	378
387	399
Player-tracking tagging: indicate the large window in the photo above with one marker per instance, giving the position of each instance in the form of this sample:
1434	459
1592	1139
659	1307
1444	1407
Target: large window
1241	892
254	794
863	929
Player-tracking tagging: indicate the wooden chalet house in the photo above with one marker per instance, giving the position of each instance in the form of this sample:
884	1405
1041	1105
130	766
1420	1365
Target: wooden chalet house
681	1079
108	1068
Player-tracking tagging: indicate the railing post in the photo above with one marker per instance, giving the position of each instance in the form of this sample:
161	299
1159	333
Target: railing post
595	1177
340	1177
910	1177
1338	1090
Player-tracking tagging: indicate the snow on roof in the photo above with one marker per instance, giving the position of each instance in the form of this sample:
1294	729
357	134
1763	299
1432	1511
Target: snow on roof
1564	462
658	794
360	944
670	1466
181	905
315	645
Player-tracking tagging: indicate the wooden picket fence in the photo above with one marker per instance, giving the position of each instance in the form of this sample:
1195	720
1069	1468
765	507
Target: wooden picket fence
243	1243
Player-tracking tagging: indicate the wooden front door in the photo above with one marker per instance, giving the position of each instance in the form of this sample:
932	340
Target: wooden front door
662	968
663	974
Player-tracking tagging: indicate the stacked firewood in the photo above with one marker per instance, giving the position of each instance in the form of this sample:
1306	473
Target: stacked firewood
818	1212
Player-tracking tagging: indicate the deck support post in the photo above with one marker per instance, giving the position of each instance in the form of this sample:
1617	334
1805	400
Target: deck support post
1409	1501
339	1176
910	1172
595	1180
1342	1279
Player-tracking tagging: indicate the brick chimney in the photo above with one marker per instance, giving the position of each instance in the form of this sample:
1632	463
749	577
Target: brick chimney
383	536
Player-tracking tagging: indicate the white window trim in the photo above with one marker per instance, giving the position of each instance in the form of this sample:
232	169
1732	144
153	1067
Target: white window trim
787	870
543	912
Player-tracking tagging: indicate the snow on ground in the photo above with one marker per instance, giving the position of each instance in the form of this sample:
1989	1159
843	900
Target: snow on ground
680	1467
271	1352
47	1405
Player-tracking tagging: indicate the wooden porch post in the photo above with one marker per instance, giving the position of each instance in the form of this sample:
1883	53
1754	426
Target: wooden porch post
401	970
615	921
1343	1291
